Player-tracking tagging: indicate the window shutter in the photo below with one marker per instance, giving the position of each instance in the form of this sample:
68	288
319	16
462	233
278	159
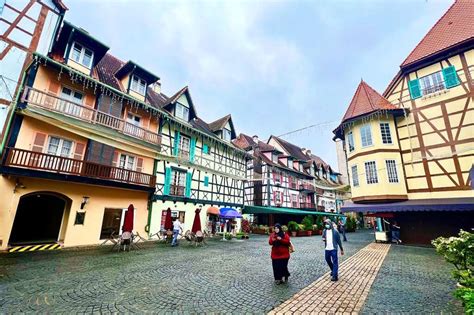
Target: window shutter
89	101
187	192
79	151
450	77
115	161
166	189
176	143
139	165
38	143
192	149
414	87
205	149
206	181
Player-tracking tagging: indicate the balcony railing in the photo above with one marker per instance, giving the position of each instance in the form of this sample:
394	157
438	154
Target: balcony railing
60	105
307	205
176	190
306	187
63	165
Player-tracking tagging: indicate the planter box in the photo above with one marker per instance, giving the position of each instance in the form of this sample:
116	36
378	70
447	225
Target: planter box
317	232
305	233
260	231
294	233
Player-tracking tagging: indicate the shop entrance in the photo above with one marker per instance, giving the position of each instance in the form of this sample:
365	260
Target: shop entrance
38	219
111	223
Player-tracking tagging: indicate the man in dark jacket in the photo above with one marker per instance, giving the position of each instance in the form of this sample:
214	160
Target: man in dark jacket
332	240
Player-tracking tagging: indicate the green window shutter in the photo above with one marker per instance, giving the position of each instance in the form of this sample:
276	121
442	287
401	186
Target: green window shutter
166	189
192	149
450	77
414	87
205	149
176	143
187	192
206	181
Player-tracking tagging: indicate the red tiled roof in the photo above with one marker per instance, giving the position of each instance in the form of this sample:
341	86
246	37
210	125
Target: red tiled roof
366	100
454	27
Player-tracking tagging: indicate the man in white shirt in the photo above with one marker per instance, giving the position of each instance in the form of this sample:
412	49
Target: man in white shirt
332	241
176	228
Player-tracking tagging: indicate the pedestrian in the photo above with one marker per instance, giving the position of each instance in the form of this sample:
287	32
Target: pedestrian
176	228
342	229
332	240
280	242
395	228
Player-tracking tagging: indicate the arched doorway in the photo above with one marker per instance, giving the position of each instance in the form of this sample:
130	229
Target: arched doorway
38	218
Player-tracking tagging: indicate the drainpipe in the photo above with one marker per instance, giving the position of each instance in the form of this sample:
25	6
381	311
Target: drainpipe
150	203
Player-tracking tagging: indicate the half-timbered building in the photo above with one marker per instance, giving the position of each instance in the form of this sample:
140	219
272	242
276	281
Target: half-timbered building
410	150
283	175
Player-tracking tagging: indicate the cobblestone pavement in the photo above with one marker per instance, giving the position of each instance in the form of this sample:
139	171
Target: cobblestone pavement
346	296
413	280
222	277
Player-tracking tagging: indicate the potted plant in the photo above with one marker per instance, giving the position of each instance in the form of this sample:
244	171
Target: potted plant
307	223
301	230
293	228
351	224
284	228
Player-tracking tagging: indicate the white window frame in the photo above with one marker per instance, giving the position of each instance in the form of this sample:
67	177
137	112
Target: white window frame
132	119
432	83
392	173
290	163
183	114
350	141
60	146
126	162
385	133
371	176
184	145
366	135
274	158
355	176
81	55
138	85
226	135
178	178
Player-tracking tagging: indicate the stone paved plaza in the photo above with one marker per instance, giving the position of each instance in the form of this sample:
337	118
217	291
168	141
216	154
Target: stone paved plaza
222	277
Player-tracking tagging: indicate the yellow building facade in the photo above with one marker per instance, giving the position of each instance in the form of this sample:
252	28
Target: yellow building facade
410	150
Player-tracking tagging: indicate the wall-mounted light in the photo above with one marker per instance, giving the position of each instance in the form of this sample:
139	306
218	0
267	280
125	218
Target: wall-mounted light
85	200
18	184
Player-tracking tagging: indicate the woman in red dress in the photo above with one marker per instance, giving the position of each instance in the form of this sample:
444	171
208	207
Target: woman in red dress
280	242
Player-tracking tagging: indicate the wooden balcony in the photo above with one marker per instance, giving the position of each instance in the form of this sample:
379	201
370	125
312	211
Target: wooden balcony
306	187
63	165
307	205
59	105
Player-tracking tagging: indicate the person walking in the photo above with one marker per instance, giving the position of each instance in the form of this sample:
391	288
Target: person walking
176	228
395	228
280	242
332	241
342	229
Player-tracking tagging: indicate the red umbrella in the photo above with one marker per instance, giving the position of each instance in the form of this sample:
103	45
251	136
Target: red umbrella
168	222
128	221
197	222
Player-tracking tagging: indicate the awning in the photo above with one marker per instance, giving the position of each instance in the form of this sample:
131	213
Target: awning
278	210
446	204
213	210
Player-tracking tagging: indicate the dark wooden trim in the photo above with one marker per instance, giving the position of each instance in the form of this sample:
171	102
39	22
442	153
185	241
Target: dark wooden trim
423	190
467	74
434	175
372	152
452	145
415	109
439	159
462	119
401	156
433	126
380	198
422	146
434	146
194	201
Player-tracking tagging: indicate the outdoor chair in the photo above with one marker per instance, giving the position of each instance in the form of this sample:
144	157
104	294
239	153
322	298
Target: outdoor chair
126	240
189	236
199	238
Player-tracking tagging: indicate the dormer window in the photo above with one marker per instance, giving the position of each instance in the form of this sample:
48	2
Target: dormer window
290	163
82	55
226	134
138	85
274	158
182	112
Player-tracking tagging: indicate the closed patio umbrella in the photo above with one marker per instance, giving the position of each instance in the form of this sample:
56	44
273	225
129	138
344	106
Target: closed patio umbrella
128	220
228	213
196	222
168	221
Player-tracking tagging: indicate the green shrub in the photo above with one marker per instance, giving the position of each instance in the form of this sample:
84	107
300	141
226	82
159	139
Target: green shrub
284	228
307	223
293	226
459	251
228	236
351	224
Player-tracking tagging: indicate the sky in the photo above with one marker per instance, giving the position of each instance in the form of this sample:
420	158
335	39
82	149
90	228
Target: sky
275	65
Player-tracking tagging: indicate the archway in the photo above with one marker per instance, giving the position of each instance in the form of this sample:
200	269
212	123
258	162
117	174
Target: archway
38	218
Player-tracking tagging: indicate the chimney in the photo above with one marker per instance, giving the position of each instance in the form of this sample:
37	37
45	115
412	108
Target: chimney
308	152
156	87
